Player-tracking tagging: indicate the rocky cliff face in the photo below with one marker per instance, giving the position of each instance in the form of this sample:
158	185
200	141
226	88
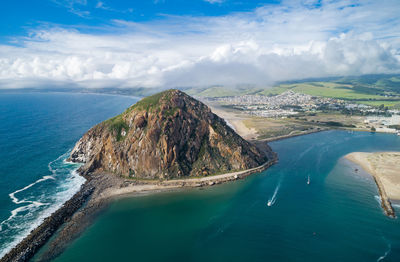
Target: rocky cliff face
164	136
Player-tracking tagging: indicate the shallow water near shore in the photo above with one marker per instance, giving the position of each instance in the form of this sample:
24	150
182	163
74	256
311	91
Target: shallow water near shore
37	130
334	217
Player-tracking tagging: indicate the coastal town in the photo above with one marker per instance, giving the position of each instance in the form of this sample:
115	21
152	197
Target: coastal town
296	105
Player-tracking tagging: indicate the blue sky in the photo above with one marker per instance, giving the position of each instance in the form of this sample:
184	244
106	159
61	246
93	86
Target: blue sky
173	43
19	16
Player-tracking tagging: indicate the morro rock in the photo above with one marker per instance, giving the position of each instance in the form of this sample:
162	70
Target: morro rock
164	136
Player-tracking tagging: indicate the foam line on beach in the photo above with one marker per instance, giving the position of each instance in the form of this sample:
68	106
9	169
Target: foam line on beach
63	191
63	156
230	125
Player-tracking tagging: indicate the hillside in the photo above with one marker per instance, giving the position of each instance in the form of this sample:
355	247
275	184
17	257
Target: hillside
167	135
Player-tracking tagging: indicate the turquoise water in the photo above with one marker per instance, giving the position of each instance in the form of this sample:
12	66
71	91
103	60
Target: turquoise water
335	218
36	133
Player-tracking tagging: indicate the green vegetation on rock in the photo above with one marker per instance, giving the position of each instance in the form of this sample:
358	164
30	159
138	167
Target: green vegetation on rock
148	103
116	125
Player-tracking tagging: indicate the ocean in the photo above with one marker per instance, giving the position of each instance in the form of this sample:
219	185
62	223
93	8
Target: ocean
310	206
336	217
37	131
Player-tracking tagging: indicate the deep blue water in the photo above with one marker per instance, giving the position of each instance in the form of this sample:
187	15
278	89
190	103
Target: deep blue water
36	132
337	217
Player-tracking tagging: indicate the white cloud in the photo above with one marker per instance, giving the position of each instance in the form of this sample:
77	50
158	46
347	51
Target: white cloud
214	1
73	6
100	4
273	43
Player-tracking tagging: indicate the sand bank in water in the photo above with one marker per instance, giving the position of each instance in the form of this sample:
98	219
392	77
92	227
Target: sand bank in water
385	168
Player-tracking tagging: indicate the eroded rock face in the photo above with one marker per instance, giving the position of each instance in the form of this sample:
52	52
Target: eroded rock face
167	135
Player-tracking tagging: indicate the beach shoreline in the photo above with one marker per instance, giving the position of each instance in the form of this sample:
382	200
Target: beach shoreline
302	133
382	167
94	195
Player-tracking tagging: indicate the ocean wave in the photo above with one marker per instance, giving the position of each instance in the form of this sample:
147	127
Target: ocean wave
378	198
15	200
33	207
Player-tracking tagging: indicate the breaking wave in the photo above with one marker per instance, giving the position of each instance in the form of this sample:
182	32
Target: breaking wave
38	200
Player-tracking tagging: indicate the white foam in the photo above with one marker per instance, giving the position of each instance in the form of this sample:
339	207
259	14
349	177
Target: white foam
58	158
230	125
15	199
64	191
272	200
378	198
387	252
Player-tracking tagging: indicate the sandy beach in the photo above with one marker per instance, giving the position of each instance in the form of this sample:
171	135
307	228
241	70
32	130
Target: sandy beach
385	169
128	187
236	121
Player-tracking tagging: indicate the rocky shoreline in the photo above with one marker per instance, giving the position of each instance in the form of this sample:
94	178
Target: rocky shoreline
385	202
95	194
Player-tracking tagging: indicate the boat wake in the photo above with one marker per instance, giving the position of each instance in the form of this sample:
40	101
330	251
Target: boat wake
272	200
387	252
38	200
308	179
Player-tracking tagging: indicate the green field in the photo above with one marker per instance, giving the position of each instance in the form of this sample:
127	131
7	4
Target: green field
371	90
389	104
221	91
333	90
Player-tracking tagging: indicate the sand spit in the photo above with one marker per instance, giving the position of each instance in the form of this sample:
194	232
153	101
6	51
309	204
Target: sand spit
385	169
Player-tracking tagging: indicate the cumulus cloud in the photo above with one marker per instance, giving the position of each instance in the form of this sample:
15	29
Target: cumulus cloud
273	43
